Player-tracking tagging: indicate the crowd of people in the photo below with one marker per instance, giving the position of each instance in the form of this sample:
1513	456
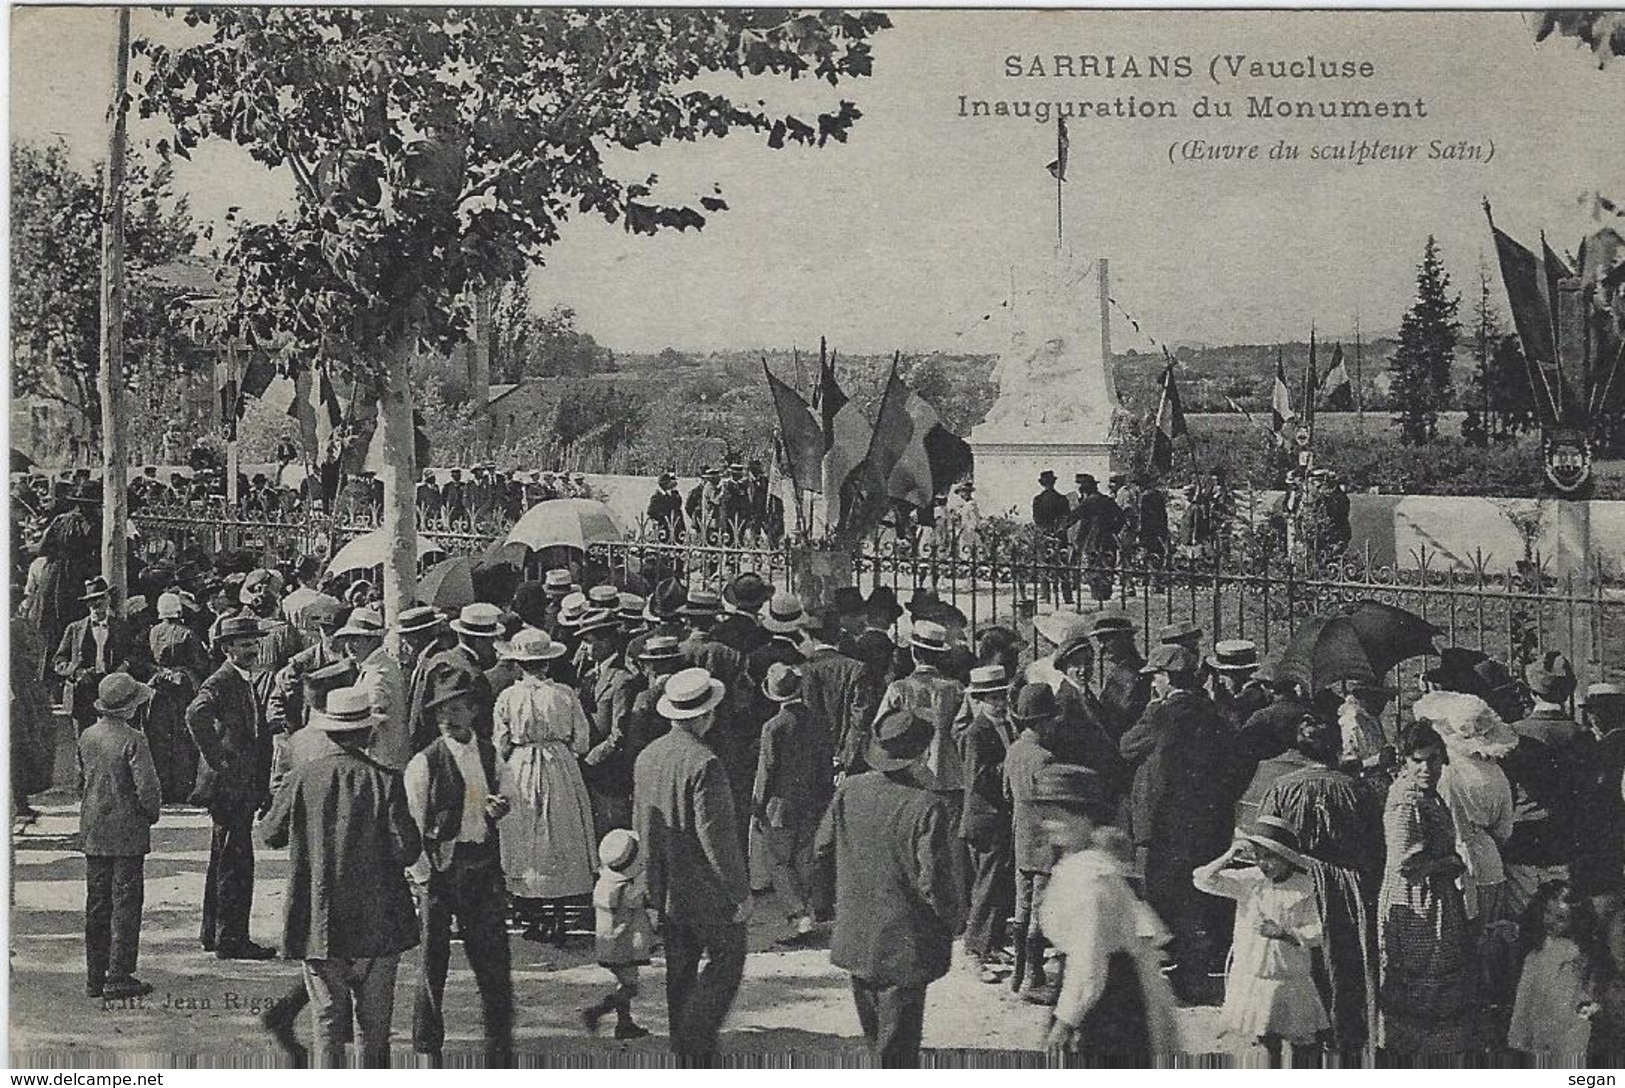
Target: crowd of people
1106	835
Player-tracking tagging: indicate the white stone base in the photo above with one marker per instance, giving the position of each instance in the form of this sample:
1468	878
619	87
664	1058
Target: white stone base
1007	472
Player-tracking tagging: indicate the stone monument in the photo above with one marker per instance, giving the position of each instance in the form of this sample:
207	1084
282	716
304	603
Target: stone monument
1057	399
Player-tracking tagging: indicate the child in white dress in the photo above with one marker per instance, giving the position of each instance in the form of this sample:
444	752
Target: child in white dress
1552	1014
1269	993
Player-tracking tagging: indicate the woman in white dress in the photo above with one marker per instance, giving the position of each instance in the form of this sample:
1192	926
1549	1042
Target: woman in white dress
547	840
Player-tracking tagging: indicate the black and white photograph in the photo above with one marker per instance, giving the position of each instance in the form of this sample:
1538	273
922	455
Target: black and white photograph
721	538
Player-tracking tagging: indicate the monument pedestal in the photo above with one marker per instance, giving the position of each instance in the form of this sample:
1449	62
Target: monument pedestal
1007	469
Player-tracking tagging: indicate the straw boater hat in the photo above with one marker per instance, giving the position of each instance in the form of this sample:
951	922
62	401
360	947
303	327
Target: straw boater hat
363	622
988	680
782	684
478	620
1234	655
531	644
120	695
604	596
660	648
618	849
347	709
784	614
702	602
237	628
900	737
596	621
558	581
572	608
1275	835
1466	724
1180	632
421	617
689	694
629	608
929	635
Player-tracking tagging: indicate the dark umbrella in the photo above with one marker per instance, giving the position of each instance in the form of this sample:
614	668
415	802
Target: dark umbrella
505	554
1391	634
20	461
448	584
1323	651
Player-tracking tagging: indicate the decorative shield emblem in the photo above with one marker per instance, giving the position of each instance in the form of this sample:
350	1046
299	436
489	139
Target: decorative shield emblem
1566	456
1302	438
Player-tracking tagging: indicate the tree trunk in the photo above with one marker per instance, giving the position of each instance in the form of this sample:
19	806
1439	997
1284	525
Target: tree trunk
115	473
399	474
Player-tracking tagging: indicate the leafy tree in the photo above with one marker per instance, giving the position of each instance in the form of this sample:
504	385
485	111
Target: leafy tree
670	359
438	151
1420	364
1602	31
56	277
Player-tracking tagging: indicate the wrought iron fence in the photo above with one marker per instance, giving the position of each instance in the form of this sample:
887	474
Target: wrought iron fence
1247	589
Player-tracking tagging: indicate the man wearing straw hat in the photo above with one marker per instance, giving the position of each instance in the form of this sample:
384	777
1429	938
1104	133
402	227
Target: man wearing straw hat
696	875
120	805
233	782
898	897
477	628
349	917
985	824
422	631
362	641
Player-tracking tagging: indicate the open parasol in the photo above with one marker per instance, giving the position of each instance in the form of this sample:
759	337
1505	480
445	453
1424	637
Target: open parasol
369	549
1391	634
1324	650
572	523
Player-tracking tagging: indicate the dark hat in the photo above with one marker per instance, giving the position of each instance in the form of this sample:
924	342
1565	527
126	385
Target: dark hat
1456	670
823	622
1035	705
783	683
900	737
848	600
1067	785
1493	677
1085	480
1551	678
1234	655
667	601
95	589
882	602
748	592
926	605
233	628
1272	834
1078	643
1171	657
1046	477
530	601
668	477
1179	631
1111	624
444	684
317	684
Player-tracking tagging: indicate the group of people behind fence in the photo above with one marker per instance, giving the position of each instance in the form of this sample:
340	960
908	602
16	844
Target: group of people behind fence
1106	835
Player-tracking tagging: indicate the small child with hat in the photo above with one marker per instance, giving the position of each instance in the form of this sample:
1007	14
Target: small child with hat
624	934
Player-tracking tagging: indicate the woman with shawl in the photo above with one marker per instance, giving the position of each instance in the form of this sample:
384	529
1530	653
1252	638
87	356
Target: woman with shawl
1427	961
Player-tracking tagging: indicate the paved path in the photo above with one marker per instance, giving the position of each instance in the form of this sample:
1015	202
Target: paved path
794	1007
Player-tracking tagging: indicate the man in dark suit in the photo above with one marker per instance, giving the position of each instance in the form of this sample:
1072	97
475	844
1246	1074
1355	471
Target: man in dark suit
234	781
1095	521
666	509
1051	516
349	916
839	691
1124	690
476	628
697	877
986	823
897	893
782	623
1182	807
91	647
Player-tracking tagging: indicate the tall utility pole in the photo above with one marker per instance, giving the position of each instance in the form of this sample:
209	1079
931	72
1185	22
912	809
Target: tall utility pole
115	474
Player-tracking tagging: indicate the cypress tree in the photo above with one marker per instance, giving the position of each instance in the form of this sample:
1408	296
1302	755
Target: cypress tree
1427	344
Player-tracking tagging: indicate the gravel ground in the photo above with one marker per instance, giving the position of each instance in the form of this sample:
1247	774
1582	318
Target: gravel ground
794	1006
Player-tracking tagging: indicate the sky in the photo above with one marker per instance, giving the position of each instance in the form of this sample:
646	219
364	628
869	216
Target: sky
906	236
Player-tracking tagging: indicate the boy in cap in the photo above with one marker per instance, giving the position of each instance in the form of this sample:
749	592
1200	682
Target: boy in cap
624	936
120	805
477	627
457	791
1037	717
899	901
234	781
793	784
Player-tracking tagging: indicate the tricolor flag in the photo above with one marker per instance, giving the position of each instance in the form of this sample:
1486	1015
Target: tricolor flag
801	437
1281	413
866	495
1063	146
1170	422
321	417
1337	391
846	437
1534	315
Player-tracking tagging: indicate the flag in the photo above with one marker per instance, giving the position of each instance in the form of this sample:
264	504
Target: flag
1534	318
1170	422
1063	145
802	438
1281	413
1310	385
373	460
257	376
948	455
1337	392
867	492
846	439
321	417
